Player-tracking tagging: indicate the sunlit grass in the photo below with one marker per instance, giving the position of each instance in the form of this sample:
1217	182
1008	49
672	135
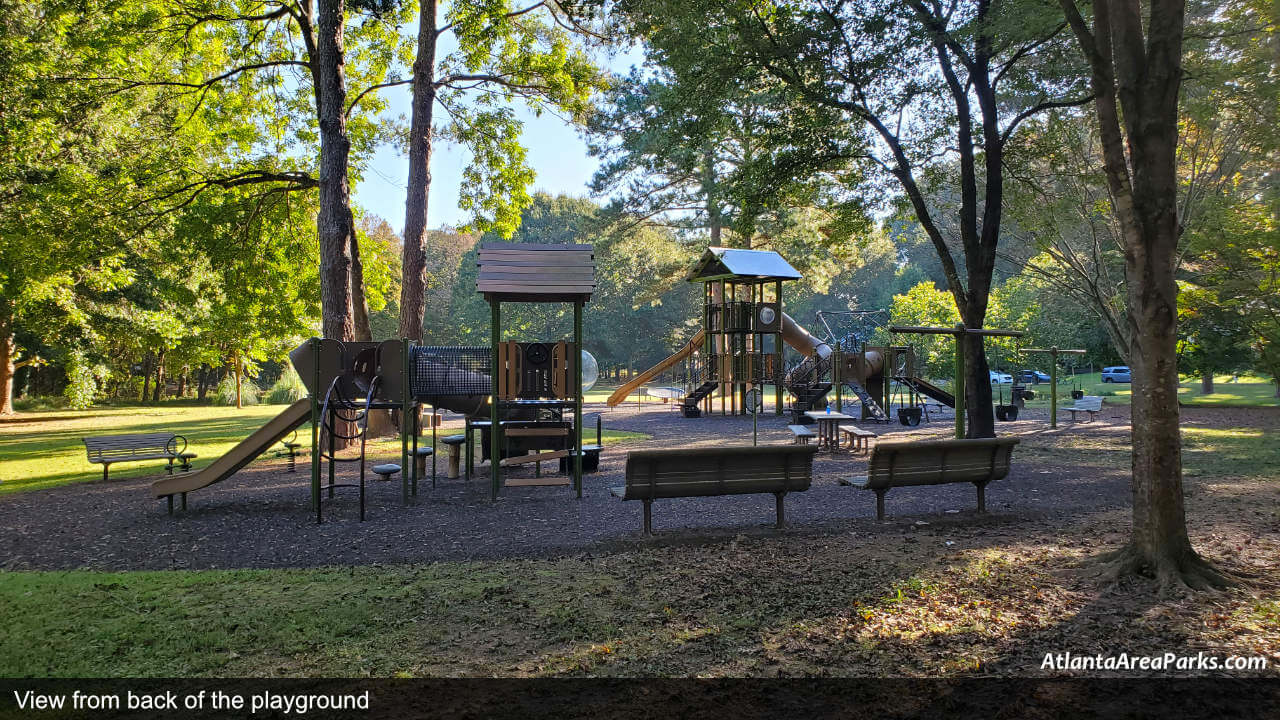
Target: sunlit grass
44	449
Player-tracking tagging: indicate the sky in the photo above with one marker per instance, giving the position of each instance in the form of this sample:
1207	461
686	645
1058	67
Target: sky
557	153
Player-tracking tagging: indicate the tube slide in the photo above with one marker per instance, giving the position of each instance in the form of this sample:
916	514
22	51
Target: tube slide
803	340
239	456
792	334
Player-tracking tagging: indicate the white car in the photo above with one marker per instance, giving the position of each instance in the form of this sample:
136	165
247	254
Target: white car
1000	378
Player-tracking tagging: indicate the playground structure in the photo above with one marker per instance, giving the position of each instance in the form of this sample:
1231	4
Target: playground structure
739	347
537	384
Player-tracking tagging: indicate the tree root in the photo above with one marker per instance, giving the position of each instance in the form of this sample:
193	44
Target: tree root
1182	571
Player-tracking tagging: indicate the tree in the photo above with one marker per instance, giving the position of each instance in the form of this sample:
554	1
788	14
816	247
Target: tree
736	156
1211	336
504	53
906	74
1136	75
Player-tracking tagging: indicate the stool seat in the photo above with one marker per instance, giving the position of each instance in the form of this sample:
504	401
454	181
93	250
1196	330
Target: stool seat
387	470
186	457
426	451
291	445
454	439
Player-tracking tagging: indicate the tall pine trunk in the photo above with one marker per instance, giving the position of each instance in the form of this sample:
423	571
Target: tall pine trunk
413	285
334	222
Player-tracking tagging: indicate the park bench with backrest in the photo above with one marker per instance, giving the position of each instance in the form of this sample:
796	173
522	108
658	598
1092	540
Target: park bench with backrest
706	472
935	462
1091	404
109	449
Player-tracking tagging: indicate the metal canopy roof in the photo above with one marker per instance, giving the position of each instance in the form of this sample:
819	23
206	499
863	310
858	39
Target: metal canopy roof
721	263
531	272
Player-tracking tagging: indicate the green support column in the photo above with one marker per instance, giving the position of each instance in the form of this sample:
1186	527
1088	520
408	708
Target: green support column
777	348
1053	387
406	426
577	399
495	332
959	382
315	428
836	362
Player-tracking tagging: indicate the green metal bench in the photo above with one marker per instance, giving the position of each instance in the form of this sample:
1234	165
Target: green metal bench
935	462
706	472
108	449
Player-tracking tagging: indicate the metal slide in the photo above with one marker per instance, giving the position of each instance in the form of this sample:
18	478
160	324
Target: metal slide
251	447
924	387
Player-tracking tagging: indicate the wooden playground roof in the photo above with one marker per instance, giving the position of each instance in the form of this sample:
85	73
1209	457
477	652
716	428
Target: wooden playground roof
529	272
721	263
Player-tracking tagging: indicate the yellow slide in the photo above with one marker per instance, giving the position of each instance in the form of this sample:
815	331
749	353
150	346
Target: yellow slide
239	456
792	334
621	393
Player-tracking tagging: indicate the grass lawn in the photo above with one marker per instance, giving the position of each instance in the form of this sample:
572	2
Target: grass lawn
1249	391
947	602
43	449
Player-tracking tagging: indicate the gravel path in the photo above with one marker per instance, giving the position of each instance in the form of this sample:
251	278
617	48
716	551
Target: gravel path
260	517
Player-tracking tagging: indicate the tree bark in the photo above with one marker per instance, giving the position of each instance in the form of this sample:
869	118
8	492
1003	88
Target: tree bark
413	284
334	222
8	348
158	391
146	378
359	304
236	370
1141	77
1206	383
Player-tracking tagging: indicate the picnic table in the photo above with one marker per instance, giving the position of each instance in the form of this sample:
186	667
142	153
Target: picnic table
828	427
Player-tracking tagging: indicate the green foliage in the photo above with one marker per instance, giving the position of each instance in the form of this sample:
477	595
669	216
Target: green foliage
84	380
925	304
287	390
225	393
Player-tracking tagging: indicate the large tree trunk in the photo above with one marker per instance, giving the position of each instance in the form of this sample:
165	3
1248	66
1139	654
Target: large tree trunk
359	304
334	222
1142	76
158	392
146	378
8	348
980	419
1206	383
413	284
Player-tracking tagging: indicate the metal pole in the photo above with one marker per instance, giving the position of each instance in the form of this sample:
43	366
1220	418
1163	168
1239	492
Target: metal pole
959	382
837	361
406	427
315	429
577	398
495	337
1053	387
778	349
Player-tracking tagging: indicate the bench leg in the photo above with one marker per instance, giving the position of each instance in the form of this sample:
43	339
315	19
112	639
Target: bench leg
184	502
880	504
170	498
105	467
982	497
648	517
781	518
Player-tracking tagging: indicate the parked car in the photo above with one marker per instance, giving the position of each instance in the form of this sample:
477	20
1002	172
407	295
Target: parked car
1035	377
1000	378
1116	374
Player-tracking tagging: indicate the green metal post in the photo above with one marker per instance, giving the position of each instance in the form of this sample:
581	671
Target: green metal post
406	427
778	350
495	332
836	362
315	428
959	382
577	398
1053	387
